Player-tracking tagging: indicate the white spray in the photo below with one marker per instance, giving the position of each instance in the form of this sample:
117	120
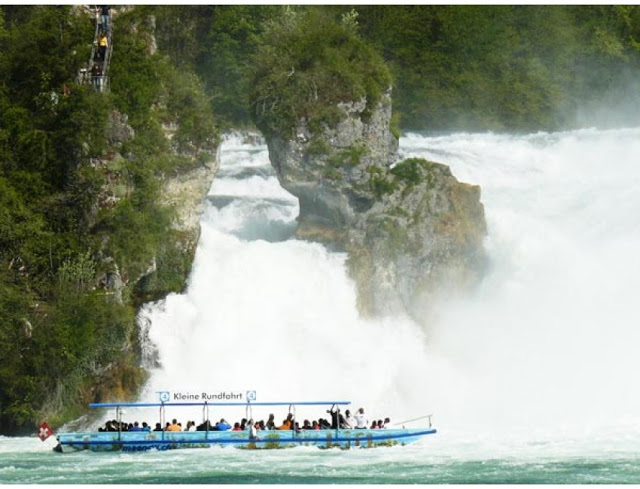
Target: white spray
548	340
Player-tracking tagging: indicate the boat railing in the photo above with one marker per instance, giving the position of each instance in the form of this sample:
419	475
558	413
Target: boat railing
205	408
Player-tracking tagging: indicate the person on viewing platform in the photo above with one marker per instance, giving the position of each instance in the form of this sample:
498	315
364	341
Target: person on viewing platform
104	17
102	46
361	419
96	77
174	426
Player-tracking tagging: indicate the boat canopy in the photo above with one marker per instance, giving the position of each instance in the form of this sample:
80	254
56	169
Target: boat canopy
206	403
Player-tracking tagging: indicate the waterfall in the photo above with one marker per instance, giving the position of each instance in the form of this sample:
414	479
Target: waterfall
547	341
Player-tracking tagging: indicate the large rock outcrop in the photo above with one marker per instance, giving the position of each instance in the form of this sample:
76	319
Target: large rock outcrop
410	228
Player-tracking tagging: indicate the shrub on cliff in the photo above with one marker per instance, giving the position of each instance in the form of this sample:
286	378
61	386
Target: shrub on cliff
309	62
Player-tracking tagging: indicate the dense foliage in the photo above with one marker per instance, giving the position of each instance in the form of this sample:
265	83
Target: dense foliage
62	333
455	67
306	65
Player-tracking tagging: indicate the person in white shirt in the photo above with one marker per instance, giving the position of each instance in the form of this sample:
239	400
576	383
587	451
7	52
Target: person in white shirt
253	431
349	422
361	419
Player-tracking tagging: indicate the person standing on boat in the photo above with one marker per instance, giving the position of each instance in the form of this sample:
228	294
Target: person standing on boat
349	422
361	419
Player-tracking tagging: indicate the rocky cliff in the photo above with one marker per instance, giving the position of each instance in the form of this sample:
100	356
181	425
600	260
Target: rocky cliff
409	227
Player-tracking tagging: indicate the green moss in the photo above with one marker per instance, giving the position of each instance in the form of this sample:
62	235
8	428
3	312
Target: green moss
318	147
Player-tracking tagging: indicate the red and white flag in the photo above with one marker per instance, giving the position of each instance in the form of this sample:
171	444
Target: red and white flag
44	432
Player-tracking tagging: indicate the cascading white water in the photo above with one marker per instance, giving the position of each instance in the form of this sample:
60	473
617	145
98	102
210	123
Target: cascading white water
547	341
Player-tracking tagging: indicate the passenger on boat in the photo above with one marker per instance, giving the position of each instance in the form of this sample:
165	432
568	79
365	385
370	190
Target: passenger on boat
380	425
374	425
287	424
271	423
361	419
324	424
206	426
236	427
145	426
191	426
349	422
306	425
158	427
222	425
135	427
315	425
174	426
337	419
387	422
253	432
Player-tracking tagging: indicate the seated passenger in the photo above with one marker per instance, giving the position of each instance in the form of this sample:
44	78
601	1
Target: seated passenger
306	425
206	426
236	427
253	432
174	426
271	424
222	425
315	425
145	426
158	427
135	427
387	423
324	424
287	424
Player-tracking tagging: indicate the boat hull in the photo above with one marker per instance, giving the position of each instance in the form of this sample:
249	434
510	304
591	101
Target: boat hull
142	441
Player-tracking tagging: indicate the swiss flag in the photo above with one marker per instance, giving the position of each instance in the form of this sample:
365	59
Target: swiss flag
44	432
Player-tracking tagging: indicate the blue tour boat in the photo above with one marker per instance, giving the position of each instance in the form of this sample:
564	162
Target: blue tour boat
140	441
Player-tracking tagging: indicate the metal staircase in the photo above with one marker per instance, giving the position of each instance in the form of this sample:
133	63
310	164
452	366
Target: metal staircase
85	76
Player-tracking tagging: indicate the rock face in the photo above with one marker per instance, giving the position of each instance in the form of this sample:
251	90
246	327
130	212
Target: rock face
410	228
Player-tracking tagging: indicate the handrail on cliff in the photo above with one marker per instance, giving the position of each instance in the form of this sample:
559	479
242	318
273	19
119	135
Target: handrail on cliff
85	75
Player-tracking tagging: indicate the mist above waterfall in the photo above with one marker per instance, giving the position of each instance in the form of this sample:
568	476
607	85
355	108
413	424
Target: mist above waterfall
546	342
